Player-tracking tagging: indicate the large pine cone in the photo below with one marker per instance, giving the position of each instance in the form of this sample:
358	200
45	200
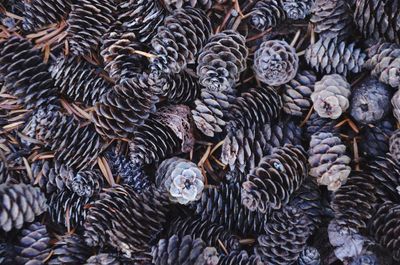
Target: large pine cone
24	73
384	63
275	178
181	88
88	21
332	18
378	19
376	138
221	60
330	56
240	258
40	13
275	62
20	203
179	40
328	160
297	9
69	250
121	110
79	80
267	13
125	220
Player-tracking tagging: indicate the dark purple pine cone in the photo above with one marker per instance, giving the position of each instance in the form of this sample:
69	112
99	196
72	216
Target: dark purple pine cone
375	138
240	258
316	124
267	13
70	250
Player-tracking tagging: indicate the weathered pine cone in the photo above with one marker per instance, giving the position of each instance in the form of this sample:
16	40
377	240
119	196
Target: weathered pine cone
267	13
79	80
377	19
332	19
296	94
176	4
396	104
124	108
331	96
88	21
275	178
275	62
181	179
69	250
221	60
184	250
296	9
20	203
384	63
309	256
240	258
179	40
33	245
180	88
330	56
328	160
376	138
108	216
33	86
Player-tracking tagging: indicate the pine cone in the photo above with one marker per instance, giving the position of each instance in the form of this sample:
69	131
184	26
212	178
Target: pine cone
88	21
40	13
275	178
70	250
86	183
316	124
176	4
384	63
183	250
376	138
50	175
328	160
240	258
33	246
331	96
297	9
209	232
370	101
179	40
24	73
377	19
330	56
290	227
79	80
275	62
20	203
396	104
332	19
267	13
7	254
221	61
296	94
309	256
181	179
285	132
3	172
394	145
180	88
140	217
115	259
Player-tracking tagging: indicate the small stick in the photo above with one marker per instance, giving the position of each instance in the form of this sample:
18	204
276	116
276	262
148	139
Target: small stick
260	35
237	8
146	54
340	124
301	53
296	37
356	155
204	157
216	147
307	117
247	241
227	16
218	161
8	14
353	126
28	168
312	40
223	247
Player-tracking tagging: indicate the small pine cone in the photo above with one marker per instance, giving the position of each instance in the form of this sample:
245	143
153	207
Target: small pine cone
384	63
328	160
68	208
181	179
332	19
384	227
79	80
24	73
267	13
378	19
370	101
376	139
125	220
222	205
180	88
296	94
330	56
221	61
86	183
179	40
20	203
331	96
33	246
275	62
176	4
396	105
209	232
70	250
41	13
290	227
297	9
88	21
240	258
309	256
275	178
285	132
316	124
183	250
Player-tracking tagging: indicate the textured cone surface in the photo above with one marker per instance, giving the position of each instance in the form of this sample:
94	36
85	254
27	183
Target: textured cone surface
330	56
125	220
115	259
275	178
285	132
51	175
179	40
316	124
176	4
240	258
297	10
86	183
69	250
79	80
19	204
25	75
309	256
396	105
221	61
180	88
267	13
394	146
376	139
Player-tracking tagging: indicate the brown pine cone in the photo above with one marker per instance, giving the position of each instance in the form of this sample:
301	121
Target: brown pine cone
267	13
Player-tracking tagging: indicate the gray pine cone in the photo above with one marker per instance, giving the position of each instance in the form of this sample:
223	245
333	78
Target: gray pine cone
267	13
297	9
394	145
309	256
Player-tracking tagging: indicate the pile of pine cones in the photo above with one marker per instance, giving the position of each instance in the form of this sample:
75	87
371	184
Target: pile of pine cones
200	132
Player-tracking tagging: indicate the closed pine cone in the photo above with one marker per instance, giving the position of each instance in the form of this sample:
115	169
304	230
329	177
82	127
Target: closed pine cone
69	250
297	9
309	256
267	13
180	88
